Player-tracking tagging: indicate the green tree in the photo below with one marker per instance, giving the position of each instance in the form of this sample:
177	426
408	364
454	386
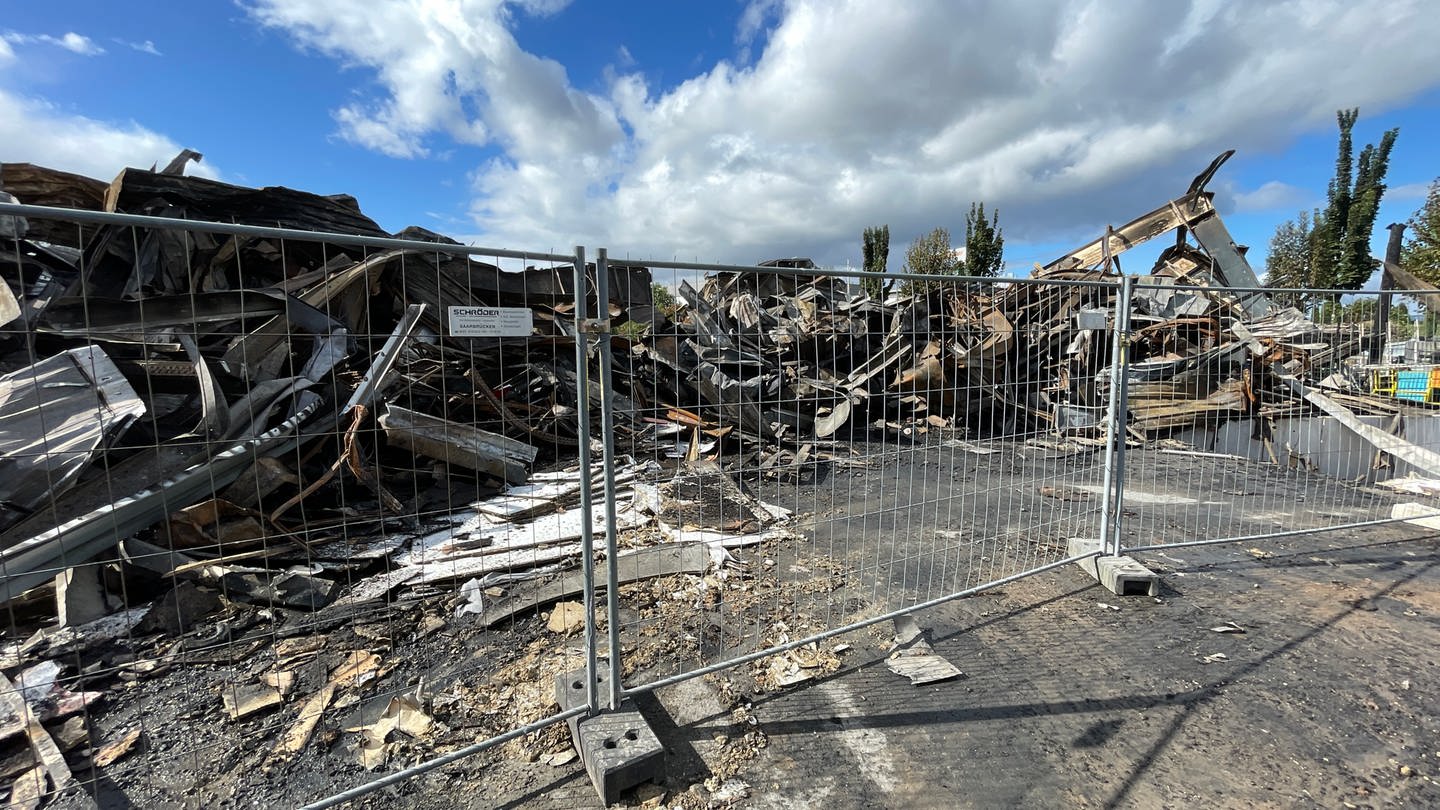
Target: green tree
665	305
1362	311
1288	266
1402	326
662	298
1340	248
876	247
930	255
984	243
1421	252
1430	325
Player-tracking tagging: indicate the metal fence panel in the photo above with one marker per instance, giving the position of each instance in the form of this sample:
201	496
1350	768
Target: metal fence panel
1249	429
258	483
796	458
276	500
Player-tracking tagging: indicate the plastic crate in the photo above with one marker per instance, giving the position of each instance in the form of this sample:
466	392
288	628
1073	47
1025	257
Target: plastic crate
1417	386
1412	381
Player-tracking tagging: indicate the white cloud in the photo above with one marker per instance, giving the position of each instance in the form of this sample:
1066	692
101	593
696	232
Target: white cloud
34	131
755	17
70	41
143	47
79	44
450	67
1408	191
1060	113
1274	196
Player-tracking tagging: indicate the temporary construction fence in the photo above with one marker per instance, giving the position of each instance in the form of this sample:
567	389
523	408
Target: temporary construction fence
280	501
1304	430
231	455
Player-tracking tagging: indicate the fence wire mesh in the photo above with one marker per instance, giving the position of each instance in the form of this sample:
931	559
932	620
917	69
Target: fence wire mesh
1247	428
284	511
254	488
803	455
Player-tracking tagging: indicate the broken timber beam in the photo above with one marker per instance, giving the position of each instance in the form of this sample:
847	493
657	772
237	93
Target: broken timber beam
1174	214
454	443
12	703
1427	461
1194	210
644	563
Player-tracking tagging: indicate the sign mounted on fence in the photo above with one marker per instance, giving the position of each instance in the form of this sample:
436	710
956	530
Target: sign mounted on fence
491	321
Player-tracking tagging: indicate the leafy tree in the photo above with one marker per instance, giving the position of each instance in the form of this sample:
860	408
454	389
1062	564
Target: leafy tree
665	305
1402	325
1340	247
1362	311
1328	312
876	246
984	243
1421	251
662	298
1430	326
1288	264
931	255
1359	310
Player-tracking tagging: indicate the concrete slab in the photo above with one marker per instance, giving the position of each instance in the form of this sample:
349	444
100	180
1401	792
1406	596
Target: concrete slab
1122	576
619	749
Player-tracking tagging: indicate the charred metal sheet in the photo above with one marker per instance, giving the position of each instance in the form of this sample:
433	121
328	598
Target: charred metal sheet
379	374
55	416
455	443
37	559
92	316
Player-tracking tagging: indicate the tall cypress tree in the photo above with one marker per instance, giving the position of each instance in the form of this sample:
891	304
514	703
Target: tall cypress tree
984	243
876	247
1340	247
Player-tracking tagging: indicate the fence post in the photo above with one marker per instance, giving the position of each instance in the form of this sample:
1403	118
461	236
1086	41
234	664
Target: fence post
1120	398
582	426
1112	408
607	429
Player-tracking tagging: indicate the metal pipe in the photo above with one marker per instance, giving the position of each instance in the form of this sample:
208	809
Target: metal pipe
1122	398
607	430
1112	408
1268	535
582	429
170	224
850	273
438	762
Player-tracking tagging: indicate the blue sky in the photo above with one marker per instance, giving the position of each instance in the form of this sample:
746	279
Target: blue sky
733	131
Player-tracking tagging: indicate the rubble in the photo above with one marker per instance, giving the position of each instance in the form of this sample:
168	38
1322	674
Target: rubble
246	348
914	658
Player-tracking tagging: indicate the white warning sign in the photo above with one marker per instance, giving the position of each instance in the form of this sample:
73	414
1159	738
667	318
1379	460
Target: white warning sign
491	321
